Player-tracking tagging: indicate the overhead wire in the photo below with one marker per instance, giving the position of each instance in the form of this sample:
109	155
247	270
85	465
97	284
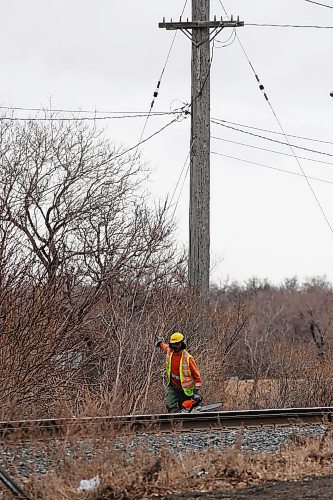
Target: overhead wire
206	77
142	141
181	173
171	46
91	111
187	162
155	94
181	188
263	25
83	118
270	167
321	4
181	112
270	150
228	42
112	157
187	107
272	140
150	112
272	131
261	87
186	111
193	99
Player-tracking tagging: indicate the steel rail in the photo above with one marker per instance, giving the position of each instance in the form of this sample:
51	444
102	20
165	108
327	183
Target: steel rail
62	427
12	486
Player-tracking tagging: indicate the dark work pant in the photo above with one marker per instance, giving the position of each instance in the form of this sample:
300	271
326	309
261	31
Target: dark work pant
174	398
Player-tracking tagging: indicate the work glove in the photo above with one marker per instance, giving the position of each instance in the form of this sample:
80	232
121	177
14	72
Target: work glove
197	398
159	341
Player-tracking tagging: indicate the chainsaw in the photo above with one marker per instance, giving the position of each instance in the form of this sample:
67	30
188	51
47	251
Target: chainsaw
194	406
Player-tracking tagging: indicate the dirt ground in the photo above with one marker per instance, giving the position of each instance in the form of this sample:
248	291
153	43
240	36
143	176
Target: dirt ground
305	489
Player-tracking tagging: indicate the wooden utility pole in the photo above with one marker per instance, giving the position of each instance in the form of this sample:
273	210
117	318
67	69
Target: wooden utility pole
201	31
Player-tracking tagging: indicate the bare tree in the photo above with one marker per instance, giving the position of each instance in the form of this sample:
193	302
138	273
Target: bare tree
78	203
81	254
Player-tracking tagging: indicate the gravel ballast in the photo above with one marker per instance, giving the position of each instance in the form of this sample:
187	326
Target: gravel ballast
27	459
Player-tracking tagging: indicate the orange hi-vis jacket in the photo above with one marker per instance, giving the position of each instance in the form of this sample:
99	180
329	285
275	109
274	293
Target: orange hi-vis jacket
182	371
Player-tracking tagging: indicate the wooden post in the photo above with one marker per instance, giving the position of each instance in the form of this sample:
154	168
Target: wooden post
199	225
199	237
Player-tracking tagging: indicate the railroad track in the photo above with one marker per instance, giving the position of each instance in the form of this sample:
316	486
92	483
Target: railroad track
45	429
182	422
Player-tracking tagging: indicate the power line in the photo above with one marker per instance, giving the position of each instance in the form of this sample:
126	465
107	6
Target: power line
272	131
272	168
91	111
206	77
272	140
185	110
300	166
227	42
288	25
261	87
270	150
172	44
127	114
188	106
181	188
142	141
226	13
83	118
184	179
155	94
181	173
321	4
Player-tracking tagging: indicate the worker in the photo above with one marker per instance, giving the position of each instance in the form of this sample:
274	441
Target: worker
183	376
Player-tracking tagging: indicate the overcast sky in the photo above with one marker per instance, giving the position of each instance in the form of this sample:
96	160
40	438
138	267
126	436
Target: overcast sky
108	55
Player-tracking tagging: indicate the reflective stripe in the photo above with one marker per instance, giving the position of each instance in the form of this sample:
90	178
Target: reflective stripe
186	379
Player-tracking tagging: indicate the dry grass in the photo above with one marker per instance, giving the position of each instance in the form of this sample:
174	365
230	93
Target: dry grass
314	389
145	475
240	393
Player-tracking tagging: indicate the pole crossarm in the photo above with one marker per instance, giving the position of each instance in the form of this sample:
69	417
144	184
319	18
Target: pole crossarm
216	26
200	24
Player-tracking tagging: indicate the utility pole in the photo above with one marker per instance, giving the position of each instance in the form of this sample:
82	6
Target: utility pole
201	32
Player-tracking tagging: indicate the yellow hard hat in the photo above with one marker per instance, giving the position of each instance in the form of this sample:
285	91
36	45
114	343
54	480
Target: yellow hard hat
176	337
